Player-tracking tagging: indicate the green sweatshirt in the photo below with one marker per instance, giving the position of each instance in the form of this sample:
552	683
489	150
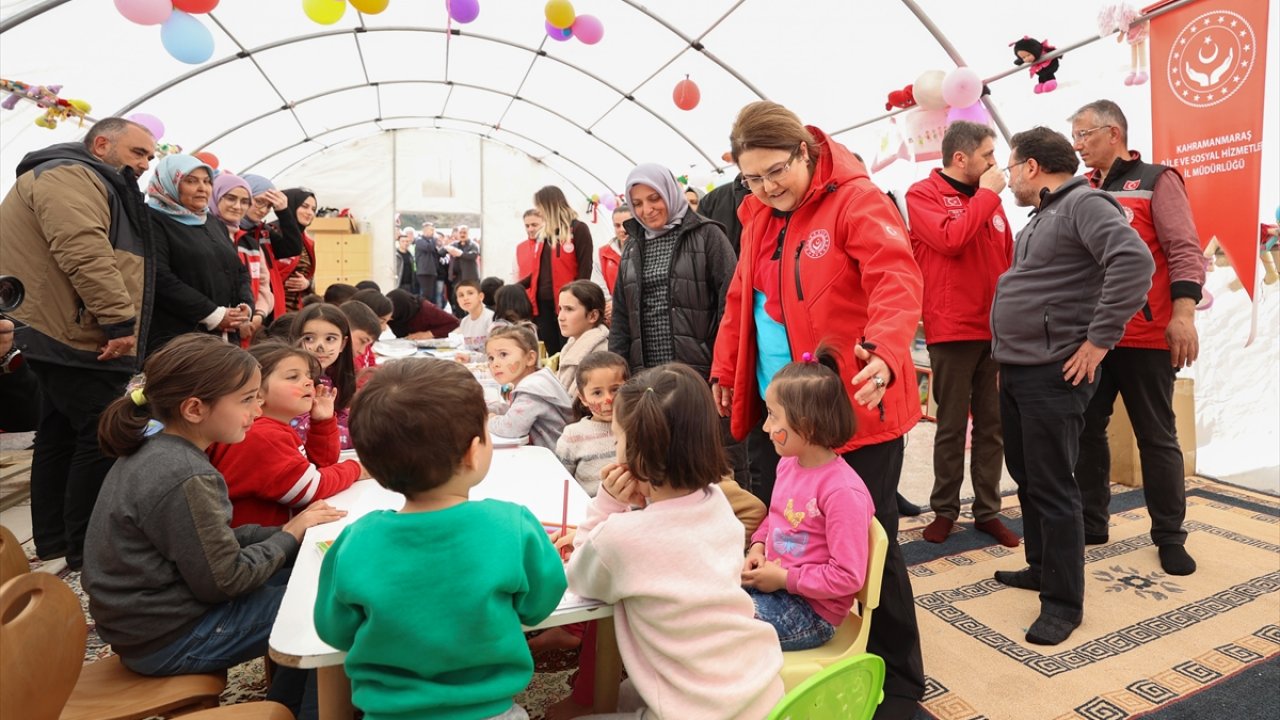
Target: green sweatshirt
429	606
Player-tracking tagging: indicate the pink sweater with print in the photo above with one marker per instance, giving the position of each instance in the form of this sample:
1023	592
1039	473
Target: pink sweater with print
818	526
686	630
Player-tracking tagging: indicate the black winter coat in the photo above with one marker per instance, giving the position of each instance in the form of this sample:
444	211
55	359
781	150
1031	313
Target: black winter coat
197	271
701	268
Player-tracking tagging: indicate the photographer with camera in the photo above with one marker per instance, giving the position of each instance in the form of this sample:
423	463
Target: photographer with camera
19	404
75	230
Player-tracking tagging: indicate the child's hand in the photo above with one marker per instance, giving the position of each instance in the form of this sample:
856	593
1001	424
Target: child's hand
364	471
322	403
755	559
564	543
617	480
768	577
317	513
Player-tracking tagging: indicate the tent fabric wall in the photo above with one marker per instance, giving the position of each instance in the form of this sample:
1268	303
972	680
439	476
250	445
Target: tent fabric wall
319	105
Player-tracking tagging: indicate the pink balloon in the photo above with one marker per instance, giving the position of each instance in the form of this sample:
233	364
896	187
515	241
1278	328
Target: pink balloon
556	33
975	113
588	29
962	87
145	12
150	122
608	199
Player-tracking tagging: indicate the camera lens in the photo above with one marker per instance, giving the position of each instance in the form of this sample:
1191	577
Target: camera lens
11	293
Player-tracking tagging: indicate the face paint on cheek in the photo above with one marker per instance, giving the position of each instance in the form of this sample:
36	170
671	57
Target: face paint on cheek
779	437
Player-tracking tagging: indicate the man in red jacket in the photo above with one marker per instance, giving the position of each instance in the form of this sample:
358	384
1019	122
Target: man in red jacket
962	242
1158	340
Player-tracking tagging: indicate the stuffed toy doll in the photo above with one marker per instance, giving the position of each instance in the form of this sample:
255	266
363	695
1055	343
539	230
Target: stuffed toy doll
1030	50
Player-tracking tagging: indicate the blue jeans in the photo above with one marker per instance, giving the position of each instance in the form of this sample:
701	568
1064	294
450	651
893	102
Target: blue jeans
227	635
798	626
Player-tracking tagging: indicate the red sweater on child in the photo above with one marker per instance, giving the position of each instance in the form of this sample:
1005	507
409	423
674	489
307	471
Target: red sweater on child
270	474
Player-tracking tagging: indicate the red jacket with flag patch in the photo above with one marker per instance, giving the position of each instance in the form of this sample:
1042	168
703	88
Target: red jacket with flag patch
846	276
270	475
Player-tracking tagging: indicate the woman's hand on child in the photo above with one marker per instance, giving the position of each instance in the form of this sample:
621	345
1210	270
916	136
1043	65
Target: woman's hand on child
618	481
322	402
317	513
564	543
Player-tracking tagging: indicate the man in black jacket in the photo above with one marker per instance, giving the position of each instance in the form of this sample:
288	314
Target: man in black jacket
426	259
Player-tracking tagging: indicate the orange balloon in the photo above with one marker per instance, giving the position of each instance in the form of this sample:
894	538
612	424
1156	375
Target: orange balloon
686	95
207	158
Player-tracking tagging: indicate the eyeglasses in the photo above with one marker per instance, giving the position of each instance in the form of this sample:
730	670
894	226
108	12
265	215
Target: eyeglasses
1008	171
242	202
1082	134
751	182
261	203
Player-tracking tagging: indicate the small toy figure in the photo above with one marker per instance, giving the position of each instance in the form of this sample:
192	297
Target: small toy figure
903	98
1030	50
1121	19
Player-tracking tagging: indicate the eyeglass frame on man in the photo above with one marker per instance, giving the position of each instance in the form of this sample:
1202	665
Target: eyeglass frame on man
1080	135
750	182
1008	171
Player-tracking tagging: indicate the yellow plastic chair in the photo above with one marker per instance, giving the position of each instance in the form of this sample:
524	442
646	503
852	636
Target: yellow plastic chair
847	690
851	637
552	363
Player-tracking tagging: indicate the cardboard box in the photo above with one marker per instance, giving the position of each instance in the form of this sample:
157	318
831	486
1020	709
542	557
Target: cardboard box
1126	466
333	225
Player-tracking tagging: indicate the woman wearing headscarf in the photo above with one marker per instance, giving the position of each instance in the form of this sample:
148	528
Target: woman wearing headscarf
281	239
201	285
416	319
675	267
299	271
562	254
694	196
825	260
232	197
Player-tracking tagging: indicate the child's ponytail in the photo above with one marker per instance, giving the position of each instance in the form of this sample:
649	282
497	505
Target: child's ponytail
672	428
121	425
815	399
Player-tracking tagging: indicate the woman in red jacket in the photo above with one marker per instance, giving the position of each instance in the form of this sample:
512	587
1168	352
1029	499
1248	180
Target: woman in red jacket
825	260
300	272
563	254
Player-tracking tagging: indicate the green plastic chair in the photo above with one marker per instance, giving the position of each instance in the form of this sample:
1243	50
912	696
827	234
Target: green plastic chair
850	689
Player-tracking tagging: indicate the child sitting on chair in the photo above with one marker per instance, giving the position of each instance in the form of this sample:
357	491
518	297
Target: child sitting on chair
428	602
809	557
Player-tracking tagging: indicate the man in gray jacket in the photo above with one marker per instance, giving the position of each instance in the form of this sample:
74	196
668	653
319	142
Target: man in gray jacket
1079	274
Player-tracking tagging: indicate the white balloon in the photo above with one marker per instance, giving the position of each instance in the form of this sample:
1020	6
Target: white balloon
928	90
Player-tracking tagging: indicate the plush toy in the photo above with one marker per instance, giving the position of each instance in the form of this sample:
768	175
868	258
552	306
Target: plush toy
1030	50
55	108
903	98
1121	19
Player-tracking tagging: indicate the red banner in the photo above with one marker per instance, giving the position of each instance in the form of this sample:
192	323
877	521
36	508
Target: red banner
1208	75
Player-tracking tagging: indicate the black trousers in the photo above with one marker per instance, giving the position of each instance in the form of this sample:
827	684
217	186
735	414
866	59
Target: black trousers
1144	378
1042	415
67	467
895	635
548	323
19	400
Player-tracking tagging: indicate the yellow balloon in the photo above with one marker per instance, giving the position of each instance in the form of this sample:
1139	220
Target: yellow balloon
370	7
81	105
560	13
325	12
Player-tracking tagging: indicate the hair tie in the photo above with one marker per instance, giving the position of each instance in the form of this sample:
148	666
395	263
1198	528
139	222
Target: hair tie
807	357
138	398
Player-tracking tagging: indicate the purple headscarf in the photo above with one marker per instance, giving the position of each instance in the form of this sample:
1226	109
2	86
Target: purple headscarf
224	183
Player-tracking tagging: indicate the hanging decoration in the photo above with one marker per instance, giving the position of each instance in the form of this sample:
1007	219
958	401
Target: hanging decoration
186	38
1029	50
558	34
462	11
588	29
903	98
559	14
928	90
686	94
892	147
195	7
609	200
56	108
207	158
370	7
924	131
324	12
962	87
150	122
1120	18
163	149
975	113
145	12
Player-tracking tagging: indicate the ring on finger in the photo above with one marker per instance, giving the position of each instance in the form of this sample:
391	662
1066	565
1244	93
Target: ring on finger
879	381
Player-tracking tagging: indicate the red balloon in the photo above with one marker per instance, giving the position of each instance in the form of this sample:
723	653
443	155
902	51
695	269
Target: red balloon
195	7
207	158
686	95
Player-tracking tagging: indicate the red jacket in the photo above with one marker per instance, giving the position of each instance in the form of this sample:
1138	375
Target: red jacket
847	277
610	259
524	259
962	245
269	475
565	264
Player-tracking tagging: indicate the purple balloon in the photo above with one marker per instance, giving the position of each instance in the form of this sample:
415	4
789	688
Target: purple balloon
975	113
150	122
463	11
588	29
556	33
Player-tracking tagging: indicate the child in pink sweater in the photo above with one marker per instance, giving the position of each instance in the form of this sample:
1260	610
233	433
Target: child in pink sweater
809	556
662	543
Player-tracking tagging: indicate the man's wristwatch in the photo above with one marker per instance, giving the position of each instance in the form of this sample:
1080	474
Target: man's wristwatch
11	362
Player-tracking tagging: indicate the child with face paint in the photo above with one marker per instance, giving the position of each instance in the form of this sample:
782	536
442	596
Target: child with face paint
324	331
587	446
809	556
534	403
269	477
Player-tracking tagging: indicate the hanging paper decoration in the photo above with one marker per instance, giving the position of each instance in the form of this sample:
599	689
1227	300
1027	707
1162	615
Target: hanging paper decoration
962	87
462	11
56	109
924	131
150	122
559	13
186	38
588	29
207	158
324	12
686	95
892	148
145	12
195	7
